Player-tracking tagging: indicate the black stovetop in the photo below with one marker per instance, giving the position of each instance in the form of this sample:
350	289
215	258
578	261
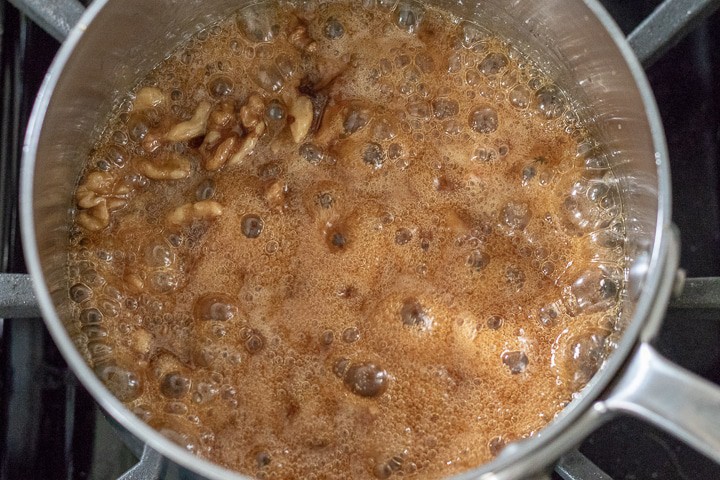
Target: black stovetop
50	427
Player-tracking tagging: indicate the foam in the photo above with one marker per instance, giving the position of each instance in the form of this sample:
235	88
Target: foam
406	291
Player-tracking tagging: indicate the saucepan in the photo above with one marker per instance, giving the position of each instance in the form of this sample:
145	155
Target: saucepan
116	42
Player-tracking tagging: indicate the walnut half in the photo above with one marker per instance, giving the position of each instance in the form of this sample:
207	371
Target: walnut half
189	212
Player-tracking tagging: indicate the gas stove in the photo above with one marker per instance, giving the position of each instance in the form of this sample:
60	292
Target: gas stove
50	427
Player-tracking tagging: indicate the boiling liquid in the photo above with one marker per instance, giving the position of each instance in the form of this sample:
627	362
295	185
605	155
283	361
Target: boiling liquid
430	272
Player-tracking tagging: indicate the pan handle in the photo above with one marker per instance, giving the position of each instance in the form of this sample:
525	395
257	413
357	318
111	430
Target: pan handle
669	397
17	298
57	17
660	392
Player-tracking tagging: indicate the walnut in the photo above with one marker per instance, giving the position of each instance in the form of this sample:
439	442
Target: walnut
190	212
302	113
221	155
170	167
192	128
148	97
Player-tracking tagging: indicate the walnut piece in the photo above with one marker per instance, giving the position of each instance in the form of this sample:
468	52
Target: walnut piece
189	212
170	167
221	155
94	219
192	128
302	111
252	112
248	144
148	97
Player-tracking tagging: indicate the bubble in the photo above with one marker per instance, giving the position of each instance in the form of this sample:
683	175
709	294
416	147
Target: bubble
355	120
516	361
419	109
582	214
255	343
578	355
312	153
103	165
455	63
382	471
607	238
176	408
483	119
327	337
136	180
403	236
185	440
138	126
333	29
388	468
91	316
547	268
593	291
116	155
214	306
425	62
520	97
548	314
514	277
94	332
205	190
373	155
402	61
413	314
175	240
595	160
477	260
220	86
104	256
175	385
275	110
263	459
445	108
516	215
484	155
159	255
384	130
493	63
325	200
124	383
347	291
597	191
337	239
528	173
80	292
119	138
258	24
269	78
340	367
285	65
496	445
407	18
251	225
471	35
164	282
366	380
99	351
351	335
549	102
494	322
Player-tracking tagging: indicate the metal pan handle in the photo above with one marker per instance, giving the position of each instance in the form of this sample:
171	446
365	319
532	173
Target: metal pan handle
56	17
660	392
669	397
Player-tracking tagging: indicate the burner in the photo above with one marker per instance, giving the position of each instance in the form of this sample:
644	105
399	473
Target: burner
51	428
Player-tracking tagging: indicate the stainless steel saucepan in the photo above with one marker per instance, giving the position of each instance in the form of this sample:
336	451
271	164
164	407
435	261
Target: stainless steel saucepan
116	42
